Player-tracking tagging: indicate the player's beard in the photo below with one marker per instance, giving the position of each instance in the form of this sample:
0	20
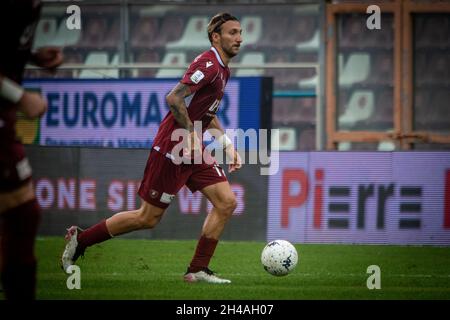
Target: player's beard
229	52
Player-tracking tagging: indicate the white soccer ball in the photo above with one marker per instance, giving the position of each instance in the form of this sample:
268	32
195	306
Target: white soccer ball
279	257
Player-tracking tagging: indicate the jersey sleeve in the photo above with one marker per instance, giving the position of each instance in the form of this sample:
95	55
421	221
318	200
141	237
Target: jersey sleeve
200	73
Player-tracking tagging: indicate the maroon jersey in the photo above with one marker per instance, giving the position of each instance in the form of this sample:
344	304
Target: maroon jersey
18	20
206	77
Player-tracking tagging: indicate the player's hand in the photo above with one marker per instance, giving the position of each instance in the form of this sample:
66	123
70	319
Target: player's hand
236	163
32	105
48	57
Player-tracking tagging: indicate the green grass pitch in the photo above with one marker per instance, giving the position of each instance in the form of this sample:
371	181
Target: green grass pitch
153	269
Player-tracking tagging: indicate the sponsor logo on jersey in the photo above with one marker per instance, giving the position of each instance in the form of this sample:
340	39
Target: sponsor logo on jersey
197	76
209	64
166	198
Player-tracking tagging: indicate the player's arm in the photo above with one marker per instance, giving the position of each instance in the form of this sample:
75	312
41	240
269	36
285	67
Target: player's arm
215	124
175	100
31	104
215	127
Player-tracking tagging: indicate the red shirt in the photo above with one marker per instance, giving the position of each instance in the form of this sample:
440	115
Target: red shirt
17	36
206	77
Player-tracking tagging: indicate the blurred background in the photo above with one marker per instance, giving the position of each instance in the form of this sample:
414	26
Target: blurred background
336	83
331	76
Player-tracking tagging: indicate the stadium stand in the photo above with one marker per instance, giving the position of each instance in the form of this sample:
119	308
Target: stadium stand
283	78
95	29
70	57
383	115
144	33
176	34
307	109
307	139
171	29
274	31
281	115
360	107
194	36
144	56
284	139
301	30
386	146
63	36
251	58
310	82
431	109
382	62
172	58
112	38
310	45
100	58
45	32
252	29
432	31
355	69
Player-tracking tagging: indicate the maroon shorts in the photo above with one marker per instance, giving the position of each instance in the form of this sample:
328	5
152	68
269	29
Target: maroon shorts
15	169
163	178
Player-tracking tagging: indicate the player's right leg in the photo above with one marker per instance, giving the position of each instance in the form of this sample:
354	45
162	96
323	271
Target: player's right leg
212	182
146	217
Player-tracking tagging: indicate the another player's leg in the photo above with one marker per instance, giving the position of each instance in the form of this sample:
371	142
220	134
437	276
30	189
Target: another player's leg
146	217
1	285
224	204
19	228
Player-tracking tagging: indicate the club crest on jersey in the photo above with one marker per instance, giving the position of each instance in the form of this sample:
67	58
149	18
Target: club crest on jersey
153	194
209	64
197	76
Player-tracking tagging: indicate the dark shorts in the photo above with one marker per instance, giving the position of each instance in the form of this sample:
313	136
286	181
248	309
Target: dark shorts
163	179
15	168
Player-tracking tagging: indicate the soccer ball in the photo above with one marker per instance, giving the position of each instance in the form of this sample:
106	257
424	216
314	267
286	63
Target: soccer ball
279	257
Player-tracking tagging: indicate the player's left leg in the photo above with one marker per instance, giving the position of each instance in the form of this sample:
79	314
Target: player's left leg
224	204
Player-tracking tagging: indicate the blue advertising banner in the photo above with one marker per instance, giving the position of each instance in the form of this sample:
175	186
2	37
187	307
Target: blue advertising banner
127	113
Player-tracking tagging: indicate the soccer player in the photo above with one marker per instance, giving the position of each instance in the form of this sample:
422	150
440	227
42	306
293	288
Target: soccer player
19	211
195	98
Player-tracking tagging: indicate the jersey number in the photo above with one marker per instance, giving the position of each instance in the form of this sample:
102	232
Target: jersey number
215	106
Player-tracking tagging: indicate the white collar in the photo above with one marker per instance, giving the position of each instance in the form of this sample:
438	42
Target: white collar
218	56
